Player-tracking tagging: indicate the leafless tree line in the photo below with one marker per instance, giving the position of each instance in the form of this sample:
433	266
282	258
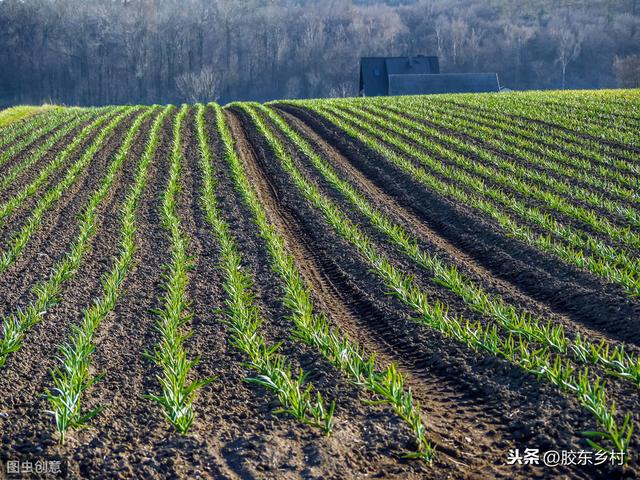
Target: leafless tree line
94	52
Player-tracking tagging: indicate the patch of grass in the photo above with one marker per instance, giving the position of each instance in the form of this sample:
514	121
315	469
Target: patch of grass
20	112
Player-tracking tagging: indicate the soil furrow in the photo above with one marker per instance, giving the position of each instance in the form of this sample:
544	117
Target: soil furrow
580	227
429	240
240	409
31	427
23	152
625	150
547	142
33	121
481	425
617	218
360	277
131	438
421	278
59	227
127	438
28	174
569	291
17	216
622	391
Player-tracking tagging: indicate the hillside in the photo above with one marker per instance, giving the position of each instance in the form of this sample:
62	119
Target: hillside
406	287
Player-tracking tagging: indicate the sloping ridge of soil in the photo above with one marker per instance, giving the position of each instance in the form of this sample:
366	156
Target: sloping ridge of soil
444	376
629	149
477	140
131	438
251	440
428	239
531	201
59	227
28	370
576	294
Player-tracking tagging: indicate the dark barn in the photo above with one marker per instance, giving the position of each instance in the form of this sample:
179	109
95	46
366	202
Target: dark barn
418	75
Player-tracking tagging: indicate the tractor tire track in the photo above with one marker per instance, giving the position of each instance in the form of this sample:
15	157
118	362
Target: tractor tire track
375	448
481	425
237	408
580	296
428	238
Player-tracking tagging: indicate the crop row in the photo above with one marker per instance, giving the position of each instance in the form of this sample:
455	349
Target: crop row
588	388
516	322
574	162
313	328
586	108
47	292
531	185
58	161
585	118
571	127
15	130
178	391
243	317
73	377
32	135
511	177
20	239
71	120
617	110
608	177
602	259
594	153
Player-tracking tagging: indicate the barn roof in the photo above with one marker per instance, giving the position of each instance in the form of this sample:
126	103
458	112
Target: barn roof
416	84
375	71
411	65
373	75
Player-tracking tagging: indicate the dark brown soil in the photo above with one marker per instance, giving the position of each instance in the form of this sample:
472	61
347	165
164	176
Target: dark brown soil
27	373
27	175
357	303
521	160
475	407
19	138
287	442
49	243
580	296
429	240
570	221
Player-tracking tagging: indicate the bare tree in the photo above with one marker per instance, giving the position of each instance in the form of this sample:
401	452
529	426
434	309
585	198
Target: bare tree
627	71
440	26
459	31
202	86
342	90
569	43
518	36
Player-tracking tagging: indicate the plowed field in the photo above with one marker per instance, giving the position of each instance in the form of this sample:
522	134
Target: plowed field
410	287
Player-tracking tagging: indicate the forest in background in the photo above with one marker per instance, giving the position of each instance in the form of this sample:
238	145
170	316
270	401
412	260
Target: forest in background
97	52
